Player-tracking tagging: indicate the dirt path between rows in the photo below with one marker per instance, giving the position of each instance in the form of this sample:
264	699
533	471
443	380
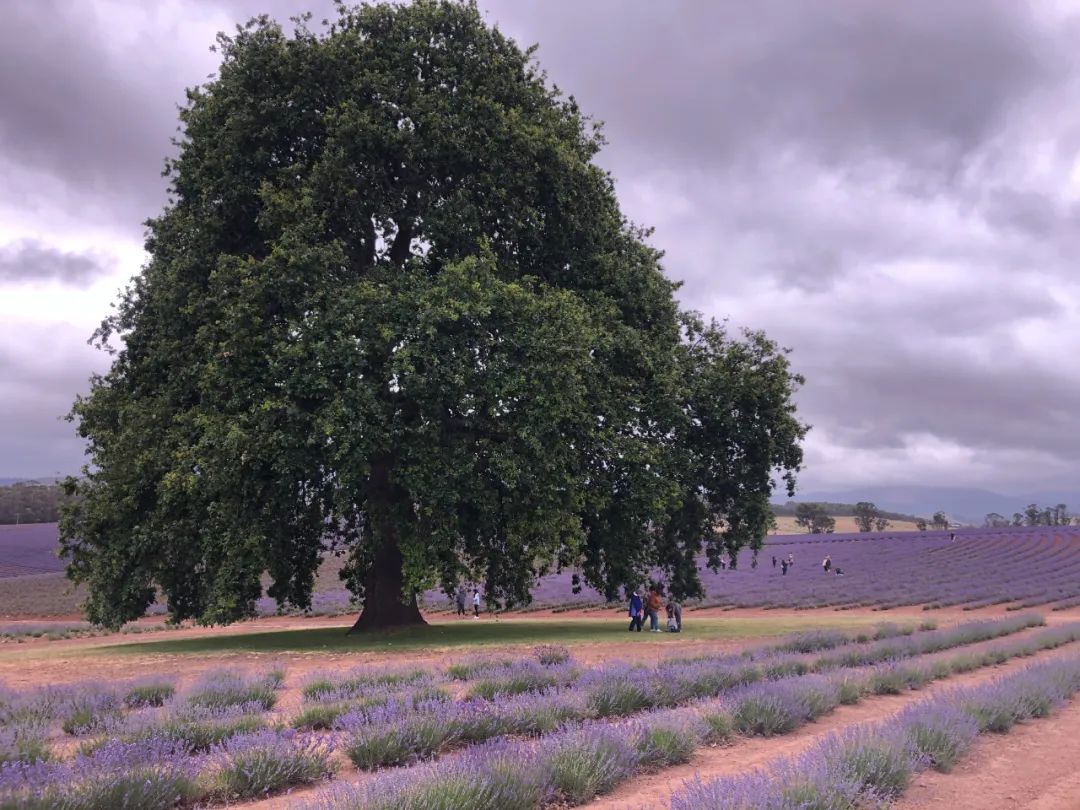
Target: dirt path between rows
1033	767
654	790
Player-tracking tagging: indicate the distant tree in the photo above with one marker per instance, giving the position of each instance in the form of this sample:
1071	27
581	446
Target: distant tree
814	518
1034	515
1018	519
995	521
31	502
804	514
881	523
824	525
865	515
920	524
1061	515
940	520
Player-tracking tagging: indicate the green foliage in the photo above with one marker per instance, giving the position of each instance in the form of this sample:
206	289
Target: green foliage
31	502
148	694
394	309
814	518
719	726
664	746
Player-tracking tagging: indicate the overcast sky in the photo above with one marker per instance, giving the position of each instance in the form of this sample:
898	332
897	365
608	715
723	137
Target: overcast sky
891	189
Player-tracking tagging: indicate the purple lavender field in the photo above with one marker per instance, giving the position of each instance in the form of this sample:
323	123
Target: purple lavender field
1029	567
29	549
1025	567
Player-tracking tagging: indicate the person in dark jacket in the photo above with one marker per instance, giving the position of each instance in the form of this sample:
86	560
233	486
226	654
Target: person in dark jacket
461	600
637	609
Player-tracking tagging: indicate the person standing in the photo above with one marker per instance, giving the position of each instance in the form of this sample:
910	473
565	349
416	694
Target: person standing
460	599
783	567
826	564
637	608
654	610
476	603
774	561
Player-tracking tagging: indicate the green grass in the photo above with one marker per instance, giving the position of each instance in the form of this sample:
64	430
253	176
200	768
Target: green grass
480	634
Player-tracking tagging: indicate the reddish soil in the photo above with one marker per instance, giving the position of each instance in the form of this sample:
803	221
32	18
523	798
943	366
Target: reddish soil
654	790
1033	767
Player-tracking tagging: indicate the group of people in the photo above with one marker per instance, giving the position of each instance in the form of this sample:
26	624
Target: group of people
650	604
786	563
462	597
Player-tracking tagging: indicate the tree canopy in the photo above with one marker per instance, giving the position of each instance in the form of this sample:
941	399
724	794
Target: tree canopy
394	312
815	518
869	518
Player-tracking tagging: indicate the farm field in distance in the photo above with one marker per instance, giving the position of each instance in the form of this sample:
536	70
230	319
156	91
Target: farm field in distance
844	524
289	712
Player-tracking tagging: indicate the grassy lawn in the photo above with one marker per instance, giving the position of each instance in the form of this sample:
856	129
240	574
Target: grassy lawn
485	633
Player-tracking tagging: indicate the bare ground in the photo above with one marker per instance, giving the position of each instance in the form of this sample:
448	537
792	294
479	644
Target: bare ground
1033	767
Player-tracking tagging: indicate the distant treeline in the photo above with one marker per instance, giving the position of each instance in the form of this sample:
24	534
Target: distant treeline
836	510
30	502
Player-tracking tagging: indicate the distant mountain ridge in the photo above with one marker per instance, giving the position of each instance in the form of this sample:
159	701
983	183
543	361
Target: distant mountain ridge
965	504
45	479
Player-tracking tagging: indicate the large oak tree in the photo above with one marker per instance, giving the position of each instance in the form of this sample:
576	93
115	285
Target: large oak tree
393	311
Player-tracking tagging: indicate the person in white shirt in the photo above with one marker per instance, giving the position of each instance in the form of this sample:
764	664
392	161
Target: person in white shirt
476	603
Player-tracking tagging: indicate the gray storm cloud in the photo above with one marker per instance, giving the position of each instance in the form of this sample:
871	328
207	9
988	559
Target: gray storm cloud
888	188
30	260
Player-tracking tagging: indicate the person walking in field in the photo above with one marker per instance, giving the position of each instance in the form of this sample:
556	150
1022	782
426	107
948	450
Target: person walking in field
783	567
637	610
476	603
826	564
461	600
654	610
774	561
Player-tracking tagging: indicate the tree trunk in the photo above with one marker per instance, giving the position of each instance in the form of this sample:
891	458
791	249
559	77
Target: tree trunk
383	585
382	594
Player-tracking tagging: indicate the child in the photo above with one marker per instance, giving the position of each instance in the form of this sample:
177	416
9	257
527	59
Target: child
476	603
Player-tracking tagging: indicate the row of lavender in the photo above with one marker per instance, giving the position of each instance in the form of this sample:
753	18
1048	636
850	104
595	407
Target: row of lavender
1028	566
531	699
213	743
869	766
979	567
573	765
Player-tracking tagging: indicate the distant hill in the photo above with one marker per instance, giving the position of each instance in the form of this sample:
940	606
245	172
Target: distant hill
966	505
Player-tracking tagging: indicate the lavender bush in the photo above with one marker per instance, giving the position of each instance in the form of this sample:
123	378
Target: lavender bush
149	692
589	761
938	732
149	775
252	765
220	689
